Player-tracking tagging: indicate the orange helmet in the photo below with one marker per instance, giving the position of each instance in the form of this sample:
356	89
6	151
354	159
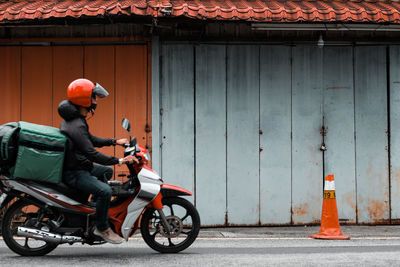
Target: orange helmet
81	91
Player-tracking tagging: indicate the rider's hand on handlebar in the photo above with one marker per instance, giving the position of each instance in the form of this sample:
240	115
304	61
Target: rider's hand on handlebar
122	141
130	159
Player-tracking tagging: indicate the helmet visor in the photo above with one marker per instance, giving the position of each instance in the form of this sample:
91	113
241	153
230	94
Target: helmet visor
100	91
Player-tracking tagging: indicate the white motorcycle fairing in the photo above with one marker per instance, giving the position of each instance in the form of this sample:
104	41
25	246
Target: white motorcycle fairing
150	186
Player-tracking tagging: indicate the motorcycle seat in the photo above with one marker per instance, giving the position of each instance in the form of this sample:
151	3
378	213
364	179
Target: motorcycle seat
62	188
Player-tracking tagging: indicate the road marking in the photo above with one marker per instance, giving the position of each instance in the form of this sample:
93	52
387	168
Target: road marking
268	238
295	238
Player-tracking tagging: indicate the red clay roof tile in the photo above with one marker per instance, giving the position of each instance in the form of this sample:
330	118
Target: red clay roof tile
373	11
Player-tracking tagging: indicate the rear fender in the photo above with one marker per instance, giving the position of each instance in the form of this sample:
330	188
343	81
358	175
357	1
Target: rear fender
11	195
6	199
7	196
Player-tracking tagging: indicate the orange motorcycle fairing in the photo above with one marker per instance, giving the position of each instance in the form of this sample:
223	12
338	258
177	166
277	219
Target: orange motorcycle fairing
118	213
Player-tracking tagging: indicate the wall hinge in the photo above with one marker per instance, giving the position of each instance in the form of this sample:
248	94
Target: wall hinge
323	131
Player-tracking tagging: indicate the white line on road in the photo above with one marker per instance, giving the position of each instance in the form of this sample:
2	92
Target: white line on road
270	238
296	238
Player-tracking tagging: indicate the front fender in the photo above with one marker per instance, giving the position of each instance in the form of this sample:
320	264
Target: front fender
168	190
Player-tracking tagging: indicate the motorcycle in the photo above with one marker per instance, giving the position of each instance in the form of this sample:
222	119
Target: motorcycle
40	216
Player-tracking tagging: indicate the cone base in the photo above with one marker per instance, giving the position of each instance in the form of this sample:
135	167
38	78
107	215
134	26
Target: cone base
341	237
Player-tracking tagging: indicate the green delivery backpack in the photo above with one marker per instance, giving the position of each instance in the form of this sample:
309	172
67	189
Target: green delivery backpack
40	154
8	146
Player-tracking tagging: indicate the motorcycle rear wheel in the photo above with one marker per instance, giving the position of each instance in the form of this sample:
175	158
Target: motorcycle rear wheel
184	221
18	214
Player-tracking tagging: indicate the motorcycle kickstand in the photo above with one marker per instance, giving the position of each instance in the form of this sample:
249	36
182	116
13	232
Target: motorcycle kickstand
164	221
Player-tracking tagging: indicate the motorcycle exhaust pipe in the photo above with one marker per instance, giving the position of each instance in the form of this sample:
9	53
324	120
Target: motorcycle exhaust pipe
47	236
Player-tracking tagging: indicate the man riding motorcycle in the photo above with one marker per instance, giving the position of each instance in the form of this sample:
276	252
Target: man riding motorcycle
79	169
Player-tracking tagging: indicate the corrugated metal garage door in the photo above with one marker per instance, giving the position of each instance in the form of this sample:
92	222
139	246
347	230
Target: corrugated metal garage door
242	127
33	81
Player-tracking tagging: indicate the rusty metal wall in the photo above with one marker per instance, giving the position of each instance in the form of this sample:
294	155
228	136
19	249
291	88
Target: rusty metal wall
210	124
338	112
275	124
243	126
254	121
307	166
371	135
177	99
394	104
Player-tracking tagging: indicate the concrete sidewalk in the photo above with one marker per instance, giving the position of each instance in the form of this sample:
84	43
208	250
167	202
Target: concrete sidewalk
354	231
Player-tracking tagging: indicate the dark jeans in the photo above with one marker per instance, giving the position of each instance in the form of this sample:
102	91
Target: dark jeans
103	173
89	182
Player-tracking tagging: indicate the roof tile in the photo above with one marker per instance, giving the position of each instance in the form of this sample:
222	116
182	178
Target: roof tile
373	11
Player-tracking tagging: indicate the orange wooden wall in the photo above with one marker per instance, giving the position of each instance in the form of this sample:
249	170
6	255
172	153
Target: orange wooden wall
33	81
10	84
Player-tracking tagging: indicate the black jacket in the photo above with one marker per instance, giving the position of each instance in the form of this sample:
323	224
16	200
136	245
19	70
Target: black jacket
80	153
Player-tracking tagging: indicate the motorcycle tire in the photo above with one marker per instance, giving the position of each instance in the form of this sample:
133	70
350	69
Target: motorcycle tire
151	222
8	231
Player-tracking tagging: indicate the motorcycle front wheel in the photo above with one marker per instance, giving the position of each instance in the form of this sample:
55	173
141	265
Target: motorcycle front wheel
184	224
22	213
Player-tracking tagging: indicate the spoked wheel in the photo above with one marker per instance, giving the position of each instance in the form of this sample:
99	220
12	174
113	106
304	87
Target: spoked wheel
24	214
184	224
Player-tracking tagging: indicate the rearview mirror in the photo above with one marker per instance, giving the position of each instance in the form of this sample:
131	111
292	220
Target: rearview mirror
126	125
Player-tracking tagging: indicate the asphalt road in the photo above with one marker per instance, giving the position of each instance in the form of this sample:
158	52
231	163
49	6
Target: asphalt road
225	251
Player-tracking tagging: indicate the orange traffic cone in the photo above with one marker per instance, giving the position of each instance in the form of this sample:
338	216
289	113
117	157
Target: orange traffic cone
330	228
